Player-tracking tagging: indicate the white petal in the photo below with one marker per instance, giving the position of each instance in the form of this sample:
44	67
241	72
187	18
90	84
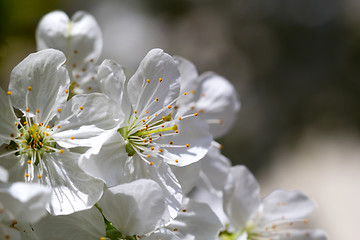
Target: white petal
48	79
162	234
135	208
73	189
196	221
7	232
4	176
187	175
281	205
216	99
83	119
7	119
155	65
241	196
303	235
112	83
83	225
215	168
195	133
26	202
188	74
113	165
79	38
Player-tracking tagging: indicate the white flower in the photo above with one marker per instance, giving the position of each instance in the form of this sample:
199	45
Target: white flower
43	125
150	134
20	203
273	217
211	96
80	39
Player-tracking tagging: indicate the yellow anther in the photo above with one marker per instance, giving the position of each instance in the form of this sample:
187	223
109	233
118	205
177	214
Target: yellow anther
195	114
23	141
29	88
185	93
176	131
38	111
169	107
148	80
179	118
27	110
143	120
61	151
72	138
75	51
148	155
193	91
81	108
59	126
160	150
152	163
25	123
29	161
201	111
147	112
160	134
147	117
66	91
26	175
152	148
150	141
163	118
203	94
170	143
8	92
40	124
187	145
40	143
160	79
146	125
39	176
162	126
156	99
47	126
175	229
47	134
59	109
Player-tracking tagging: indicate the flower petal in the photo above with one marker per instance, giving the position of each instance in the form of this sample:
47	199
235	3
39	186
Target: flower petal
112	83
163	234
7	119
216	102
83	120
281	205
189	74
25	202
193	136
135	208
156	65
48	79
4	176
241	198
187	175
303	235
196	221
82	225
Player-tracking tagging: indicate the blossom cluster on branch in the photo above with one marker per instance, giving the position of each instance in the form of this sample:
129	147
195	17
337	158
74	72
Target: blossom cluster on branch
88	152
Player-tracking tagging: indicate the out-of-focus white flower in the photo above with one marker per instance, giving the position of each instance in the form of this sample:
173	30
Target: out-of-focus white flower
150	135
212	96
80	39
38	132
274	217
20	203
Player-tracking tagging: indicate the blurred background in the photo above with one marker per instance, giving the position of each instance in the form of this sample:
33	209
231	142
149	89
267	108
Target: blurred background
295	64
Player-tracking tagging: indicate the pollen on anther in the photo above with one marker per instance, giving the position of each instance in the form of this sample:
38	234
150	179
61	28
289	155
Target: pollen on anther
169	107
148	80
170	143
72	138
27	110
29	88
39	176
38	111
176	131
29	161
25	123
195	114
81	108
160	79
152	163
162	126
156	99
148	155
160	150
179	118
185	93
147	112
135	112
187	145
66	91
152	148
176	160
61	151
8	92
26	175
59	110
59	126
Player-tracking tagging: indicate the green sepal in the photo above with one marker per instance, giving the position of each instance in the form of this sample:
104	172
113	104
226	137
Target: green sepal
129	149
123	132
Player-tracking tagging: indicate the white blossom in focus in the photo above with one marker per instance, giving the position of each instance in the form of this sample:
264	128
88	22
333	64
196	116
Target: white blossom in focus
80	39
38	127
150	134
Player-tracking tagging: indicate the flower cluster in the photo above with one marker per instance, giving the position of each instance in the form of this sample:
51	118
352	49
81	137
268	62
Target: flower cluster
89	153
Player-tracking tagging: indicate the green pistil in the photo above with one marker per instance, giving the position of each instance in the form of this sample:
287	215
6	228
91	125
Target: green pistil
174	128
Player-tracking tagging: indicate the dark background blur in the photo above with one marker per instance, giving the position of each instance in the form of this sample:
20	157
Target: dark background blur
295	63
